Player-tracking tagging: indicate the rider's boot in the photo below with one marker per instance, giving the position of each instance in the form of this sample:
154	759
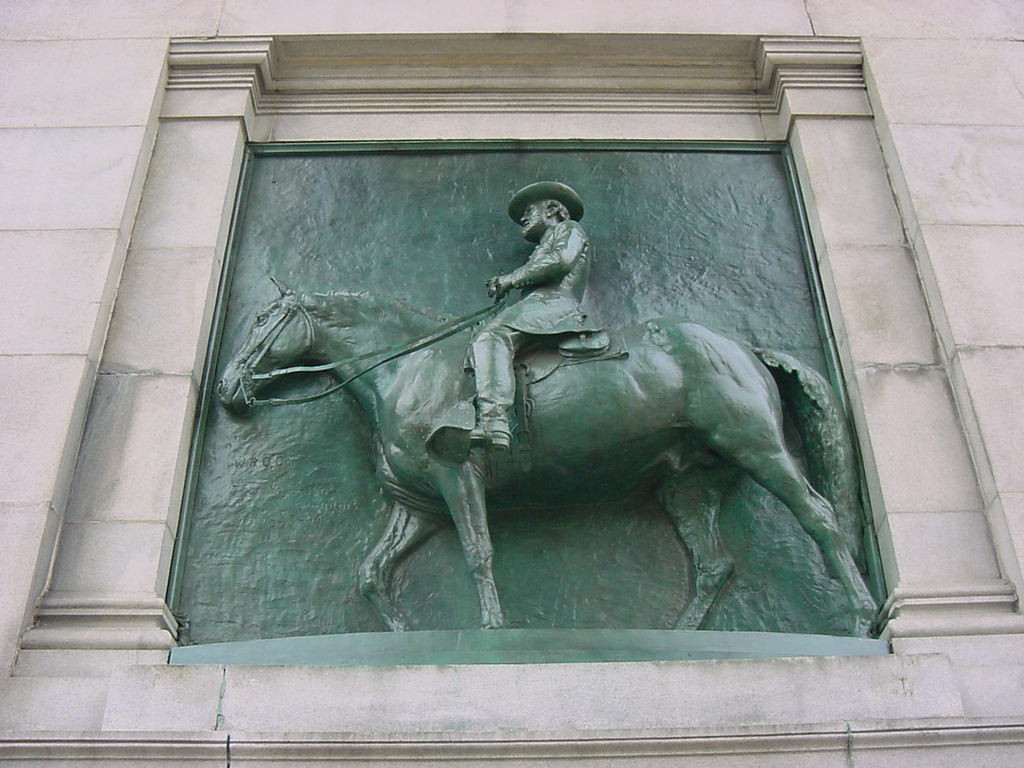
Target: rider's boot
492	354
492	427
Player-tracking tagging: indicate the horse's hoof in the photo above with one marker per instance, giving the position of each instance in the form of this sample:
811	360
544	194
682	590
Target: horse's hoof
691	625
866	620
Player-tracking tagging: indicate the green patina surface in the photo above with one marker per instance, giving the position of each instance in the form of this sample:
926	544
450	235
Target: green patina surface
284	504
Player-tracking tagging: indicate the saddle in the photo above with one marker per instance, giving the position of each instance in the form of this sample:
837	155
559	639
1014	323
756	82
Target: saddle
541	360
448	442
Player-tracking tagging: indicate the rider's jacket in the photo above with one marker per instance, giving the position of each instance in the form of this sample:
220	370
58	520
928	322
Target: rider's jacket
553	280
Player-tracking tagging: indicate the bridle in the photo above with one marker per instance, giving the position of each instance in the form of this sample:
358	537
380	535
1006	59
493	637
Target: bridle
247	377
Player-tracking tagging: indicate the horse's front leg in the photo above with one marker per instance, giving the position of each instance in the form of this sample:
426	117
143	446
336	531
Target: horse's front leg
693	499
404	533
463	490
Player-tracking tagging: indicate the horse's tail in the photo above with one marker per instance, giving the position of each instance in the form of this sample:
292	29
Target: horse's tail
829	451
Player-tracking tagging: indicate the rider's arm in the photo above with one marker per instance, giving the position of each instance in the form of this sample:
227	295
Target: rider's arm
551	261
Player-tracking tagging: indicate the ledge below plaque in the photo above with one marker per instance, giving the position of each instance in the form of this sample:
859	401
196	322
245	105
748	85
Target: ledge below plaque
522	646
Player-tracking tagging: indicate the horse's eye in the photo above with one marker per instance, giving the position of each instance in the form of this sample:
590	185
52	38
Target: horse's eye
261	318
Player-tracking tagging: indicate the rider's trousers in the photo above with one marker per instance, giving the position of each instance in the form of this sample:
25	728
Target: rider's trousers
493	353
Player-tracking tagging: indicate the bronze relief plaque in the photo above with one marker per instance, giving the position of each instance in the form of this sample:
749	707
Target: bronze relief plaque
619	486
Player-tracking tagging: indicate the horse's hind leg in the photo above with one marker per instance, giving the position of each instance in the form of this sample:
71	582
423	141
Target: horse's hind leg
692	500
404	533
776	470
463	491
816	515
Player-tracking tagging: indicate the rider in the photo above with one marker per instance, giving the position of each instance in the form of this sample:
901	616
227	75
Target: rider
553	279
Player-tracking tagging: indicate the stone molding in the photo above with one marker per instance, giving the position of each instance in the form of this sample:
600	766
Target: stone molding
243	62
112	748
935	739
94	622
787	64
676	74
968	609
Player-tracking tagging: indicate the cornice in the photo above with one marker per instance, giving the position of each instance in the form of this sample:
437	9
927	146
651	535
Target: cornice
787	63
333	75
223	62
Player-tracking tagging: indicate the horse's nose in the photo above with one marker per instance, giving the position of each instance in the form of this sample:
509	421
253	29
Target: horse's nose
230	396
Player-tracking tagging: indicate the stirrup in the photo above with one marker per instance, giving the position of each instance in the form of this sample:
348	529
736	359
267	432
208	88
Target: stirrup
493	432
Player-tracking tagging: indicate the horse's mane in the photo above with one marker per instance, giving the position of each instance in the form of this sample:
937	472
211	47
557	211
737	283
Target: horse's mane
380	309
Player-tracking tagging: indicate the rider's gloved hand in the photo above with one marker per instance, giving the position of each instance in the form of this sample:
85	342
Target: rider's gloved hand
498	287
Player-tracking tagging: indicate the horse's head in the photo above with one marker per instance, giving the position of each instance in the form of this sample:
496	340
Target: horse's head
304	328
282	334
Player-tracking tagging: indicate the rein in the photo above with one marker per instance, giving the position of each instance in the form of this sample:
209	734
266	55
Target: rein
391	353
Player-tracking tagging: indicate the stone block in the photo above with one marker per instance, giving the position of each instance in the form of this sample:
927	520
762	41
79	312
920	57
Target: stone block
1005	515
940	549
992	690
972	430
976	275
67	178
772	17
922	18
161	321
52	704
882	313
840	166
1012	509
582	698
963	174
972	650
191	187
976	82
112	558
929	754
81	663
921	461
990	671
356	126
897	178
106	19
247	17
132	461
992	377
42	412
27	533
886	551
60	286
815	102
80	82
159	698
211	102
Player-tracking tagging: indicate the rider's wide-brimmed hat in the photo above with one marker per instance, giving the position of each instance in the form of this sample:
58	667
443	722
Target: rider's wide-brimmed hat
545	190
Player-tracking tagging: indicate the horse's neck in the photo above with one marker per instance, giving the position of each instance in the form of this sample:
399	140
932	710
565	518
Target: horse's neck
357	324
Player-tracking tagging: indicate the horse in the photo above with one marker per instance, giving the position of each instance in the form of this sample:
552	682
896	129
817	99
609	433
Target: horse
686	413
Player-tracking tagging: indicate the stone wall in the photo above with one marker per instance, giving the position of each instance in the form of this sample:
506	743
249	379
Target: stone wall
123	126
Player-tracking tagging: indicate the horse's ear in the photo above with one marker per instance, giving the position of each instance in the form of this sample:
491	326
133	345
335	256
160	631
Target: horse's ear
277	283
